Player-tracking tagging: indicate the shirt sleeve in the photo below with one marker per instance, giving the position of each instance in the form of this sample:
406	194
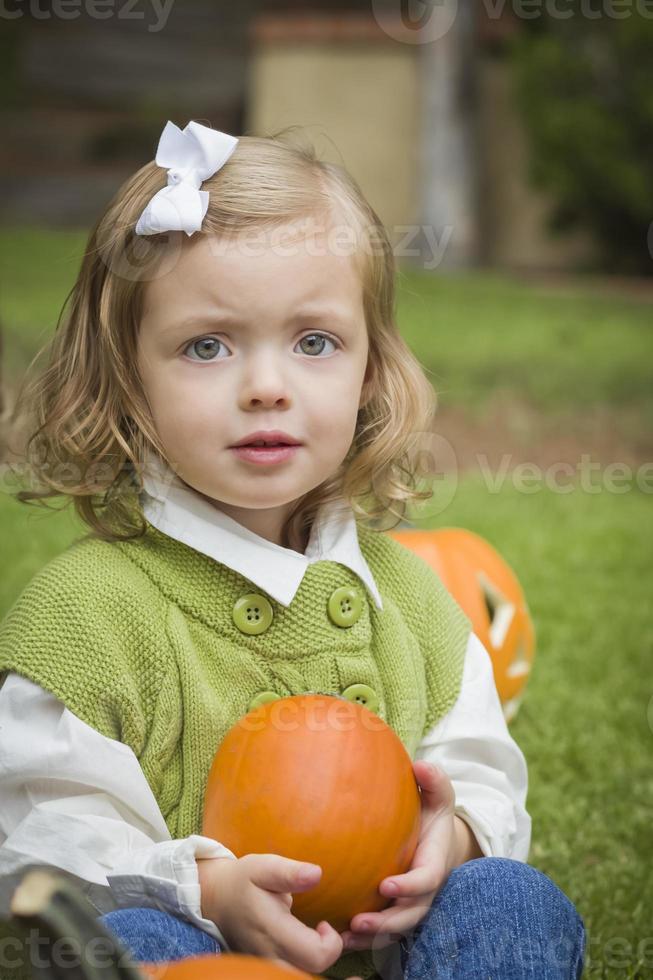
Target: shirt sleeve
472	744
77	800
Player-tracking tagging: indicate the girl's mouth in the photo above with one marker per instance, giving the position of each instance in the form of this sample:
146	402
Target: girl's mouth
265	454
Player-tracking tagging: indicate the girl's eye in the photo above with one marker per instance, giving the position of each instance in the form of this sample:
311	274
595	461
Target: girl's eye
316	343
204	348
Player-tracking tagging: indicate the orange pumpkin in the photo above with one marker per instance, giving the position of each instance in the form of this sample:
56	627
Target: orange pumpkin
318	778
487	589
224	966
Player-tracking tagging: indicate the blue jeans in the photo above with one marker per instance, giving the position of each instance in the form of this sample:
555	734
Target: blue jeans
494	917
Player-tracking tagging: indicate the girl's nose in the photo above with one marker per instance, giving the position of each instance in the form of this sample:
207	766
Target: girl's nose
264	386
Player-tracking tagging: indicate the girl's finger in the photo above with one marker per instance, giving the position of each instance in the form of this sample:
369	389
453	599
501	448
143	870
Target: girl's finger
437	789
310	950
419	882
394	921
428	871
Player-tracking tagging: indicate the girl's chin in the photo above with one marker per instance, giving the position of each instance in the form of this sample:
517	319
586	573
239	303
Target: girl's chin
236	501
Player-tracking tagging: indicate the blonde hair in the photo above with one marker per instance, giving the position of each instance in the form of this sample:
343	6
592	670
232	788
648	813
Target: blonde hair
92	426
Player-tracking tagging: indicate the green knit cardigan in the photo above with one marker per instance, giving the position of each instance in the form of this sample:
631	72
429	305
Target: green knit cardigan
138	640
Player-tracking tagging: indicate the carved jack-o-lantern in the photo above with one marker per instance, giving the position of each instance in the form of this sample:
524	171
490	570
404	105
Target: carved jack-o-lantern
488	590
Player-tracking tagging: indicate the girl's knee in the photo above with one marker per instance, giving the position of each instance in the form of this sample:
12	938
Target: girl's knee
151	935
499	890
498	915
148	918
504	880
145	924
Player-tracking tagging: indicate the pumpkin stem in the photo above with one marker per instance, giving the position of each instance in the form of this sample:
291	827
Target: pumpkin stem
57	909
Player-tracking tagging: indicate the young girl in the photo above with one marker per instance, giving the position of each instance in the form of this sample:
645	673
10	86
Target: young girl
232	411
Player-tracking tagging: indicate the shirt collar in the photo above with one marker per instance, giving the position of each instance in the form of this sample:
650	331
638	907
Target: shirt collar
179	511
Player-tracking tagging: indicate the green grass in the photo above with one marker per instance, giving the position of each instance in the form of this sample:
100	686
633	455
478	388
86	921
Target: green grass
586	723
561	350
37	270
584	559
30	537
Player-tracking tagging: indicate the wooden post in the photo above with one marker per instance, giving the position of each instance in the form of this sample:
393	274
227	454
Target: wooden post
448	152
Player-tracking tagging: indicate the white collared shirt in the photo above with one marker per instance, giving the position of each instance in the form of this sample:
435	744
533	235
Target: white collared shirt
99	821
182	513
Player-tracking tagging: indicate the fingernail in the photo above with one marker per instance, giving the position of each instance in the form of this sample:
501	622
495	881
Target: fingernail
308	872
391	887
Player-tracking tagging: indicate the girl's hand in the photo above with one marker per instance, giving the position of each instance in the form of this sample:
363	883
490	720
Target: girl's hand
250	900
438	853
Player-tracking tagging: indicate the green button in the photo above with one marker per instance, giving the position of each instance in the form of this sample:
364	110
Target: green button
363	694
344	606
263	698
252	613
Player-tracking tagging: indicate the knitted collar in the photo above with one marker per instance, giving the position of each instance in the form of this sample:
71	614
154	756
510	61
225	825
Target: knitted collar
179	511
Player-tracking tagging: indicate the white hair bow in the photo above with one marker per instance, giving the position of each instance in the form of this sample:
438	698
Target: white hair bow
190	156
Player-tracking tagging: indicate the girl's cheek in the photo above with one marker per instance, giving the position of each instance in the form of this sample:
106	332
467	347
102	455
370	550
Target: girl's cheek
197	384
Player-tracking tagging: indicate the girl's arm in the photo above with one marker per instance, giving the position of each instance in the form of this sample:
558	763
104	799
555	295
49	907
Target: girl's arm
79	801
488	770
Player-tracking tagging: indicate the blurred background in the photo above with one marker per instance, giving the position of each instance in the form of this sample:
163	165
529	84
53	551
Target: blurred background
508	147
505	119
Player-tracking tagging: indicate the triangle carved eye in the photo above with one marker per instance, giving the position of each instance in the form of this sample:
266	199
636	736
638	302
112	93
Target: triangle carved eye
500	610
